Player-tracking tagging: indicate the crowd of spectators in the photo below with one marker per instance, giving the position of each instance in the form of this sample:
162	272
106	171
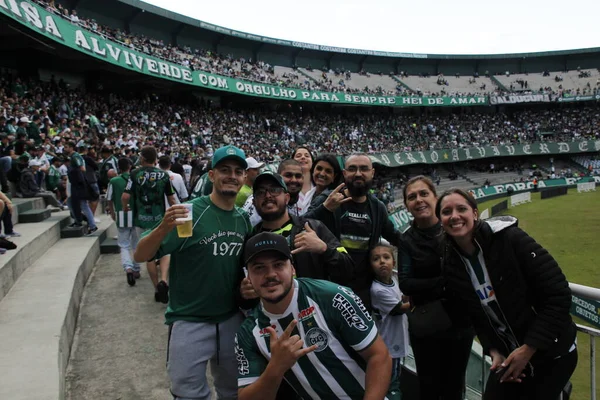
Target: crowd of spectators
260	71
191	130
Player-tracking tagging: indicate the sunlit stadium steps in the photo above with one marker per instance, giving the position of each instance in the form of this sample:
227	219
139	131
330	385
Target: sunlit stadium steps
571	80
41	286
455	85
356	81
280	71
372	82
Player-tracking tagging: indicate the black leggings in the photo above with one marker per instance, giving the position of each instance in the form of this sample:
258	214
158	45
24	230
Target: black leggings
548	380
441	366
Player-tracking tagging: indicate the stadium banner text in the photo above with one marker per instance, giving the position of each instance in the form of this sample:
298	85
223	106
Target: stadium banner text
72	35
586	309
491	190
475	153
522	98
571	99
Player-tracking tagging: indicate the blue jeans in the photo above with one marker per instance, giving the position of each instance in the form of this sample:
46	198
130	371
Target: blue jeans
128	240
84	208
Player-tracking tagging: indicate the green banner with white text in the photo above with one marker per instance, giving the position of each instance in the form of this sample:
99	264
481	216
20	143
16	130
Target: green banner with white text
400	159
491	190
74	36
586	309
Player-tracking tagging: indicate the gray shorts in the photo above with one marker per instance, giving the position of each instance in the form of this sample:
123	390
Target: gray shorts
191	346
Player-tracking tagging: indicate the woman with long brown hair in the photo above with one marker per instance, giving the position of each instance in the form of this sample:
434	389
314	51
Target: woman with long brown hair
516	296
420	277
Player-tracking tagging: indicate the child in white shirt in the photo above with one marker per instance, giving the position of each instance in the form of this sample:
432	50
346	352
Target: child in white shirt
388	305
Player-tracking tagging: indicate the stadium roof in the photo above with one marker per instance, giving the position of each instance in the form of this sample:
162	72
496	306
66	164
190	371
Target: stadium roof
335	49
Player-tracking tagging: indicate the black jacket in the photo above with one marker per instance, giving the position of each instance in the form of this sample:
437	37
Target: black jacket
335	264
382	227
420	274
28	184
530	288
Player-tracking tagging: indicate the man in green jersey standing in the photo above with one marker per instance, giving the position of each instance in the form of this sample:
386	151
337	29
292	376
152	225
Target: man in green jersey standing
205	277
109	161
148	186
128	235
53	176
315	334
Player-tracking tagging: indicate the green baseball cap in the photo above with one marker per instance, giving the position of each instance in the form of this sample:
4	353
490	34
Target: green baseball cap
269	176
229	153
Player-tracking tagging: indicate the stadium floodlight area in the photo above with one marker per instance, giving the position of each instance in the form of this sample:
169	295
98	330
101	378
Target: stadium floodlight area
586	187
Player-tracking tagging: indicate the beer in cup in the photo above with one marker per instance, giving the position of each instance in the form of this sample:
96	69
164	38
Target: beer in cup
186	230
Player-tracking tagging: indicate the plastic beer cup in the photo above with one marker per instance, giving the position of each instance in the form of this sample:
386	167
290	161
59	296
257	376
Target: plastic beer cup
186	230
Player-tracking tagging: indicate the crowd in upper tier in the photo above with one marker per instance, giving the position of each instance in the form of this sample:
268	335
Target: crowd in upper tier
330	79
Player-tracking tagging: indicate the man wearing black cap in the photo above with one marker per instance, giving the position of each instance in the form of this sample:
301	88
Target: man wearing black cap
204	279
317	252
315	334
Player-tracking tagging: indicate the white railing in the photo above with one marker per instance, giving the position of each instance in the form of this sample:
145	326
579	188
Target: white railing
578	290
592	294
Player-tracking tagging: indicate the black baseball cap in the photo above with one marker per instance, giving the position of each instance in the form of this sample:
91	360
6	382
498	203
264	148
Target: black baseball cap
269	175
266	241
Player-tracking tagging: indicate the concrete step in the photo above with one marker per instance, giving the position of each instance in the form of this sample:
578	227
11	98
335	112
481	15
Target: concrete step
109	246
35	240
38	316
23	205
35	215
72	232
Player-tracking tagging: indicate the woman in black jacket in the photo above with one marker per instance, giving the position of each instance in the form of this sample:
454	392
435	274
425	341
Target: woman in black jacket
420	278
516	296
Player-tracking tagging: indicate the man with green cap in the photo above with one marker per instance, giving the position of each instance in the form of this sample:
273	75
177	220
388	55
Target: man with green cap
204	277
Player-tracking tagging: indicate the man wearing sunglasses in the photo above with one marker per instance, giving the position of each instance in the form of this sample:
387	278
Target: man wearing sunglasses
291	172
316	251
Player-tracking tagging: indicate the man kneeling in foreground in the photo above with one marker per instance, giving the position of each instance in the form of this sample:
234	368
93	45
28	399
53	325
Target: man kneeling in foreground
315	334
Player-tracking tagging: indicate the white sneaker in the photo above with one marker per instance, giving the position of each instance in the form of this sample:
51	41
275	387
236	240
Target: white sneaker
96	220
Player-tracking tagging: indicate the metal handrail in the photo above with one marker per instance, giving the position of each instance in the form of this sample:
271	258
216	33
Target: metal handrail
585	291
590	293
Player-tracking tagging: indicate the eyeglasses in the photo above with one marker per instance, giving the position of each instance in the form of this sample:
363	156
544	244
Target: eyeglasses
290	176
354	169
273	191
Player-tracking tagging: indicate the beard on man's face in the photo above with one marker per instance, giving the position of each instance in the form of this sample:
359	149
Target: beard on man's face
228	193
358	186
286	290
270	215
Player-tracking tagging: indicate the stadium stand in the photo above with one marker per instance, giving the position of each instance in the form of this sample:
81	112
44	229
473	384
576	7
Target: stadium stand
449	86
571	83
188	124
346	81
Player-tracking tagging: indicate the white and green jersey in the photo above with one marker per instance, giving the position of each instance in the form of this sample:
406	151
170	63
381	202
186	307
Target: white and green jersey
330	316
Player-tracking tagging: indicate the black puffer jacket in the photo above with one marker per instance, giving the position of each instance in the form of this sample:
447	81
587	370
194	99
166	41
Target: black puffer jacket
532	291
420	274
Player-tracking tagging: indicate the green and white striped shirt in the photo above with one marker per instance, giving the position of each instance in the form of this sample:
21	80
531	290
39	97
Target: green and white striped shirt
330	316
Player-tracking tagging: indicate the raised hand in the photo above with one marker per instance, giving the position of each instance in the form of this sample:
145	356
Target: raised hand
287	349
174	212
308	241
336	198
247	290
